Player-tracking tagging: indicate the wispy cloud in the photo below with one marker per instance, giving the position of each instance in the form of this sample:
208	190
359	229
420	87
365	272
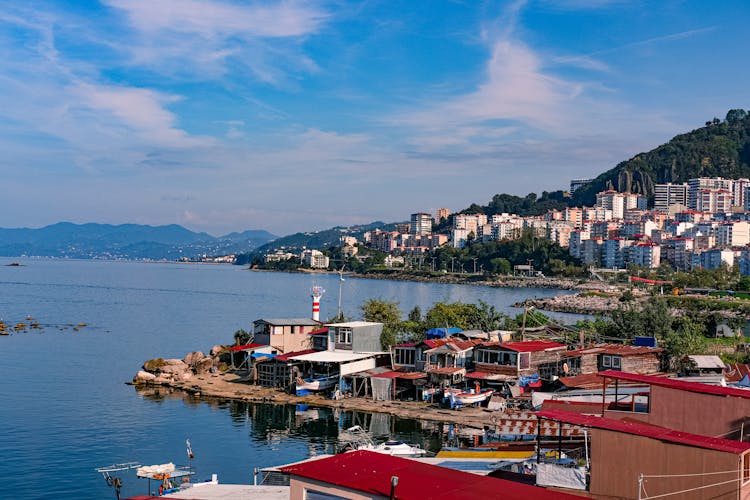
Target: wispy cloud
201	38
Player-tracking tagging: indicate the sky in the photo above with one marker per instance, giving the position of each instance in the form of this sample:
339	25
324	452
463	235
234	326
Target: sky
292	116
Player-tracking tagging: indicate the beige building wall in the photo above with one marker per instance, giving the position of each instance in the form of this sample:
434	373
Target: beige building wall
299	485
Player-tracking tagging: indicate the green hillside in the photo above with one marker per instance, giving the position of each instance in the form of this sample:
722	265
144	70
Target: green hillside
719	149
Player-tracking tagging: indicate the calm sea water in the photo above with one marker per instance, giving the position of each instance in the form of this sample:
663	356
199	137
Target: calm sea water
64	407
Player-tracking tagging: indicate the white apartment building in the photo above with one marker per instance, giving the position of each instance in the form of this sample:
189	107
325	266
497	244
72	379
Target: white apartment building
469	222
703	183
613	255
420	223
575	243
643	255
314	259
669	194
733	234
683	253
713	200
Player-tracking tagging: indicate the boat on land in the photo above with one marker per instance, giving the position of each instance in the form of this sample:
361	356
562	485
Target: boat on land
317	383
357	439
468	397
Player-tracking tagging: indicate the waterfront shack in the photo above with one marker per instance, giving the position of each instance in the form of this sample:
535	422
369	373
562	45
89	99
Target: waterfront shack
516	359
280	371
685	406
592	359
633	460
360	475
284	334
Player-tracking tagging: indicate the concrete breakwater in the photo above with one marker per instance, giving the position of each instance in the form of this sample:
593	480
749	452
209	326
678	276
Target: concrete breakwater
579	303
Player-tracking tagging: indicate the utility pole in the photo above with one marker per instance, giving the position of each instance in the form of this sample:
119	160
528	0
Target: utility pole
475	264
452	259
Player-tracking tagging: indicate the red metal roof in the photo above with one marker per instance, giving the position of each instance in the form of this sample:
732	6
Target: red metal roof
286	356
646	430
616	349
677	384
736	371
246	347
319	331
572	406
446	370
391	374
528	345
371	473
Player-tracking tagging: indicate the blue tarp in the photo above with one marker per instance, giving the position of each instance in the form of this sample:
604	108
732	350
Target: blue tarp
439	333
745	382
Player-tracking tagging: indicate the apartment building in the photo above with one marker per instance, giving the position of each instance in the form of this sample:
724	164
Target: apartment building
666	195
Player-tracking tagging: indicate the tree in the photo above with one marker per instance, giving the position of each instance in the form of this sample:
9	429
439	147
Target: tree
388	313
689	338
241	337
415	314
488	318
457	314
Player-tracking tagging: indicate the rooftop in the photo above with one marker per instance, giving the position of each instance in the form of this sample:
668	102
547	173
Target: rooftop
371	473
287	321
289	355
677	384
646	430
331	356
526	346
246	347
353	324
617	349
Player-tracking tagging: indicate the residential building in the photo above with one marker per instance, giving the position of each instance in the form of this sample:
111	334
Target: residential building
713	258
735	233
516	359
576	183
442	213
284	334
421	223
575	242
643	255
591	251
706	183
613	255
713	200
314	259
666	195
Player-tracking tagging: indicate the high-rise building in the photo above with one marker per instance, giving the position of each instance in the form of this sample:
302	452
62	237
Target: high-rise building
576	183
421	223
442	213
703	183
670	194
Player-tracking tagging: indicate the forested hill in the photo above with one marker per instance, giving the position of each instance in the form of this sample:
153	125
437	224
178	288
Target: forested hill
719	149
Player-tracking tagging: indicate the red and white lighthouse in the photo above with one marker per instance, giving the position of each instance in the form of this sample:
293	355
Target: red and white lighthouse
317	293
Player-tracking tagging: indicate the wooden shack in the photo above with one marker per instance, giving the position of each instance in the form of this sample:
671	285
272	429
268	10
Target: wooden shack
516	359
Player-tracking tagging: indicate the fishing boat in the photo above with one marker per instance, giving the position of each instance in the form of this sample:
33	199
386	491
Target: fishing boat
357	439
467	397
317	383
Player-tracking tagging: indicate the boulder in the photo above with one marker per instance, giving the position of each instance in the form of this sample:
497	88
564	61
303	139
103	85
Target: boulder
152	365
173	361
174	368
192	358
216	350
144	377
203	366
163	379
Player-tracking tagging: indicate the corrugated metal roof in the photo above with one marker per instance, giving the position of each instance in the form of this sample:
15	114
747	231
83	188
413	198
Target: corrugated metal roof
677	384
285	357
246	347
736	371
287	321
705	361
371	473
330	356
646	430
447	370
616	349
527	346
319	331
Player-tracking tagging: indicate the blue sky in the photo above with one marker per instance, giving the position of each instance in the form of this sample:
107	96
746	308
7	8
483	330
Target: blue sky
300	115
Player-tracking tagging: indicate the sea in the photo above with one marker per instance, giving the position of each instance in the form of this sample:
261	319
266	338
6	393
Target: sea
65	408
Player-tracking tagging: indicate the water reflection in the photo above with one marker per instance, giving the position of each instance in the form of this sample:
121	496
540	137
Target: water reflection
273	425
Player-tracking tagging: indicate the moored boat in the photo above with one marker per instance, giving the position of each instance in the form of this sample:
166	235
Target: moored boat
316	383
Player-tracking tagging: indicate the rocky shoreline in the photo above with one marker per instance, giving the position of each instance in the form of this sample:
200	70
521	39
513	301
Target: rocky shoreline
199	375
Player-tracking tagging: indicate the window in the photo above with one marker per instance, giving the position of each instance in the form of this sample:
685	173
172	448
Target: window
404	356
607	361
746	468
616	362
320	495
524	360
344	335
293	329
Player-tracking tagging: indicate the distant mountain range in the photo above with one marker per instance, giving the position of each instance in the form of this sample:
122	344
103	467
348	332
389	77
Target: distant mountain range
126	241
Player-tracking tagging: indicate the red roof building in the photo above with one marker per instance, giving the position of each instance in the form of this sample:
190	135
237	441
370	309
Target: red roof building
669	463
367	475
694	407
516	359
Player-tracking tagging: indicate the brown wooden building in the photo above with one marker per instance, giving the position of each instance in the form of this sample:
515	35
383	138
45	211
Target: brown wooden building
694	407
632	460
516	358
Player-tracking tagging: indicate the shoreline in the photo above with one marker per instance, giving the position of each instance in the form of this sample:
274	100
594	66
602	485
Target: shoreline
229	386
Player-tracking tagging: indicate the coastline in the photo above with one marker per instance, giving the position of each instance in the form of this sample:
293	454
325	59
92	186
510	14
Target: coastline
229	386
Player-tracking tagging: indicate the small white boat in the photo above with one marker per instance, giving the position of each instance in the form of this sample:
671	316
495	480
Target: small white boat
317	383
469	397
357	439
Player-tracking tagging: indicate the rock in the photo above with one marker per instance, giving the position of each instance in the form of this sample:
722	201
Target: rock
144	377
153	365
173	361
174	368
192	358
203	366
217	349
163	379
